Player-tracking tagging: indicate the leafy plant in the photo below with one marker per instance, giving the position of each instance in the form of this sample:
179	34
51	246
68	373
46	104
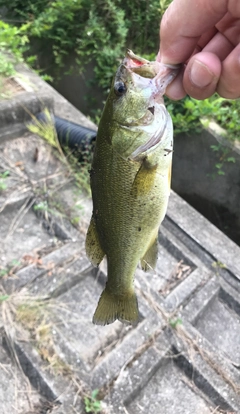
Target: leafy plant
11	268
190	116
219	265
3	176
45	208
92	404
13	41
3	298
3	272
222	153
98	33
78	169
175	322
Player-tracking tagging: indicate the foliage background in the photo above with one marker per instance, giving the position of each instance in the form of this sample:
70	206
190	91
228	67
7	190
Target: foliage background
99	32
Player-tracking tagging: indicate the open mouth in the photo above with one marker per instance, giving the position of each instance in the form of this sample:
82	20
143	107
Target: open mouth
140	65
151	109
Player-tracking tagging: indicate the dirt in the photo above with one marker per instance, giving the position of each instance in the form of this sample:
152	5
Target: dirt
9	87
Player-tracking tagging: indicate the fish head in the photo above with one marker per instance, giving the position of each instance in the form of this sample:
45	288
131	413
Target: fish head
131	94
137	107
138	85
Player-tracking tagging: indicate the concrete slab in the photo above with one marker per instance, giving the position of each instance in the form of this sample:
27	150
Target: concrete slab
182	357
16	393
225	328
21	234
160	395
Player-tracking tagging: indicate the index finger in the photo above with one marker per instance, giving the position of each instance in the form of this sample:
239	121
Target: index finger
182	25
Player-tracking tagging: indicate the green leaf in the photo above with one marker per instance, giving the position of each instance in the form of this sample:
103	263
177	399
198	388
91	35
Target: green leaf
231	159
15	262
95	393
175	322
3	298
3	272
5	174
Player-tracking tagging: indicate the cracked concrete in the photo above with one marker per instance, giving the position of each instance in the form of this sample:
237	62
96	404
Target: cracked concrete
183	355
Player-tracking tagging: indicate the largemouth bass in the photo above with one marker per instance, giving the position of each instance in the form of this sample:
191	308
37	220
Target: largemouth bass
130	182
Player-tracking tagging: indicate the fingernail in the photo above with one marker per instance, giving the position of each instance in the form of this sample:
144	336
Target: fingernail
200	75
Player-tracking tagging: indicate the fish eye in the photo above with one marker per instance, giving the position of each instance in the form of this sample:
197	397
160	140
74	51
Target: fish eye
120	88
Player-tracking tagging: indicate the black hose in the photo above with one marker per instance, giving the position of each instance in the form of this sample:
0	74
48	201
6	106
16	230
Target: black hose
74	136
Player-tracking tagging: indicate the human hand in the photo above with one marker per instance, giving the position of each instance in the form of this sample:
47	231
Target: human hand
205	36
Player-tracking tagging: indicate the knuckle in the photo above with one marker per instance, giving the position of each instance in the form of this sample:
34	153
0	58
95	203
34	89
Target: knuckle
228	91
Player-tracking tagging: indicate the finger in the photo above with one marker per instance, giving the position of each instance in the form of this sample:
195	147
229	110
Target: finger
206	37
201	75
175	90
229	85
229	25
204	40
219	45
183	24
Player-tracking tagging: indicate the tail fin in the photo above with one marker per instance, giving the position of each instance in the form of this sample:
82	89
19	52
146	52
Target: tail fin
111	307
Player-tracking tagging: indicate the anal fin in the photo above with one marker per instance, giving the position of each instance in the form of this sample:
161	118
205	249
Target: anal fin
93	248
149	260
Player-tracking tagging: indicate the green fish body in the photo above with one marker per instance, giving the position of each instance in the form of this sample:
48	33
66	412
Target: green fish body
130	182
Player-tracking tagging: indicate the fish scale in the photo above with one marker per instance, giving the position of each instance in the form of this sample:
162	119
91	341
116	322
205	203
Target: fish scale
130	184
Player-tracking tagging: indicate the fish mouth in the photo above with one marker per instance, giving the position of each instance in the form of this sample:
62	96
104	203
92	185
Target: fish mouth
151	109
159	75
140	65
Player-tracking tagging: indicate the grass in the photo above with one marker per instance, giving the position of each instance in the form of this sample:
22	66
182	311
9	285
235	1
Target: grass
3	176
28	318
78	170
10	269
92	404
46	130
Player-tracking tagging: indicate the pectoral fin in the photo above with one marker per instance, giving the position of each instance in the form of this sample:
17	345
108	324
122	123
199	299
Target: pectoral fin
149	260
93	248
144	181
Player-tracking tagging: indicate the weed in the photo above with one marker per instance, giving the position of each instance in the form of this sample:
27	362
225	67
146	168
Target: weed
42	205
3	298
223	154
3	186
219	265
45	208
77	169
80	168
75	221
15	262
92	404
3	272
46	130
3	176
33	314
11	268
175	322
13	43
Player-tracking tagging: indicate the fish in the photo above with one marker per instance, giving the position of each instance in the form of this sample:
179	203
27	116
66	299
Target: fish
130	182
